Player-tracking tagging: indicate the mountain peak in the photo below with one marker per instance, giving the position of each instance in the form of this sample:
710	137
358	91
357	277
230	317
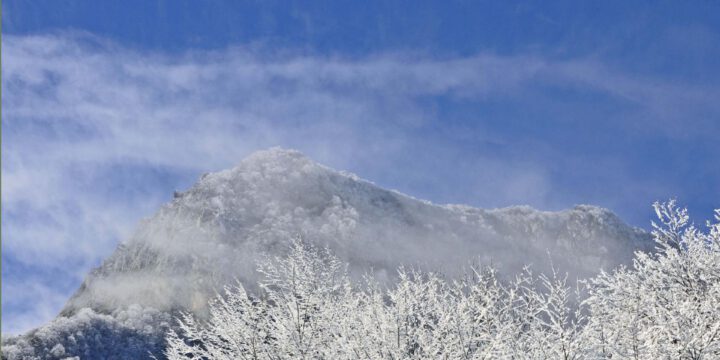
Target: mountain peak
213	234
275	161
273	170
276	157
215	231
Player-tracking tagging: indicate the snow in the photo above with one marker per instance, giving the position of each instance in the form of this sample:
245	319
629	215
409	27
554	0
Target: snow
214	233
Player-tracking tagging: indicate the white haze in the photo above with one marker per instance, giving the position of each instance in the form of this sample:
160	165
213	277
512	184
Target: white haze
216	232
85	119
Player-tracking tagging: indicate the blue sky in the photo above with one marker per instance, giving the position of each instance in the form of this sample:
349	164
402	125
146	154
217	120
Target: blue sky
110	106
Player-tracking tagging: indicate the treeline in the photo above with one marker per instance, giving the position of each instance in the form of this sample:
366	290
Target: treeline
665	306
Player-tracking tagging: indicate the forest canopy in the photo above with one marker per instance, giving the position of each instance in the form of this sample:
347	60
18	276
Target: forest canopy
663	306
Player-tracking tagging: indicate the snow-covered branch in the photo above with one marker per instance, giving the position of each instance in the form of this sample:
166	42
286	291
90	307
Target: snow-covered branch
664	306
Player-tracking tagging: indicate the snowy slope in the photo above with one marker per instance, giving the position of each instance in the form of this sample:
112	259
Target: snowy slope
215	231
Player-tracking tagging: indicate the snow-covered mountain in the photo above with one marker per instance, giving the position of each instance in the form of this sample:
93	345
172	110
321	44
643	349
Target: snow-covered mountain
214	232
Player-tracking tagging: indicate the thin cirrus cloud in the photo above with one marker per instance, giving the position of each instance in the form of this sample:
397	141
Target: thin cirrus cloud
97	135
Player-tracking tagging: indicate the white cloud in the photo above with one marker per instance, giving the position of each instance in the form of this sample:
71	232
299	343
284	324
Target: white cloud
77	109
37	304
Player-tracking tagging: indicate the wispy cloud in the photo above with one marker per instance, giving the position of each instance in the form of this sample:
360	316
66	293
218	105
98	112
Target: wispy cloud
34	303
96	135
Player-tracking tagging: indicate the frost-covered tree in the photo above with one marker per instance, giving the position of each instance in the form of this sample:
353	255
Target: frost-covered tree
299	315
127	333
667	305
308	309
663	307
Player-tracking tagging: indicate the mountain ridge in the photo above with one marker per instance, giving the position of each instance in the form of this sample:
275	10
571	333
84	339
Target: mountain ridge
214	232
277	194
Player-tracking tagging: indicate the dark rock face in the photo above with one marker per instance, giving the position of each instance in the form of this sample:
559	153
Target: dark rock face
214	232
